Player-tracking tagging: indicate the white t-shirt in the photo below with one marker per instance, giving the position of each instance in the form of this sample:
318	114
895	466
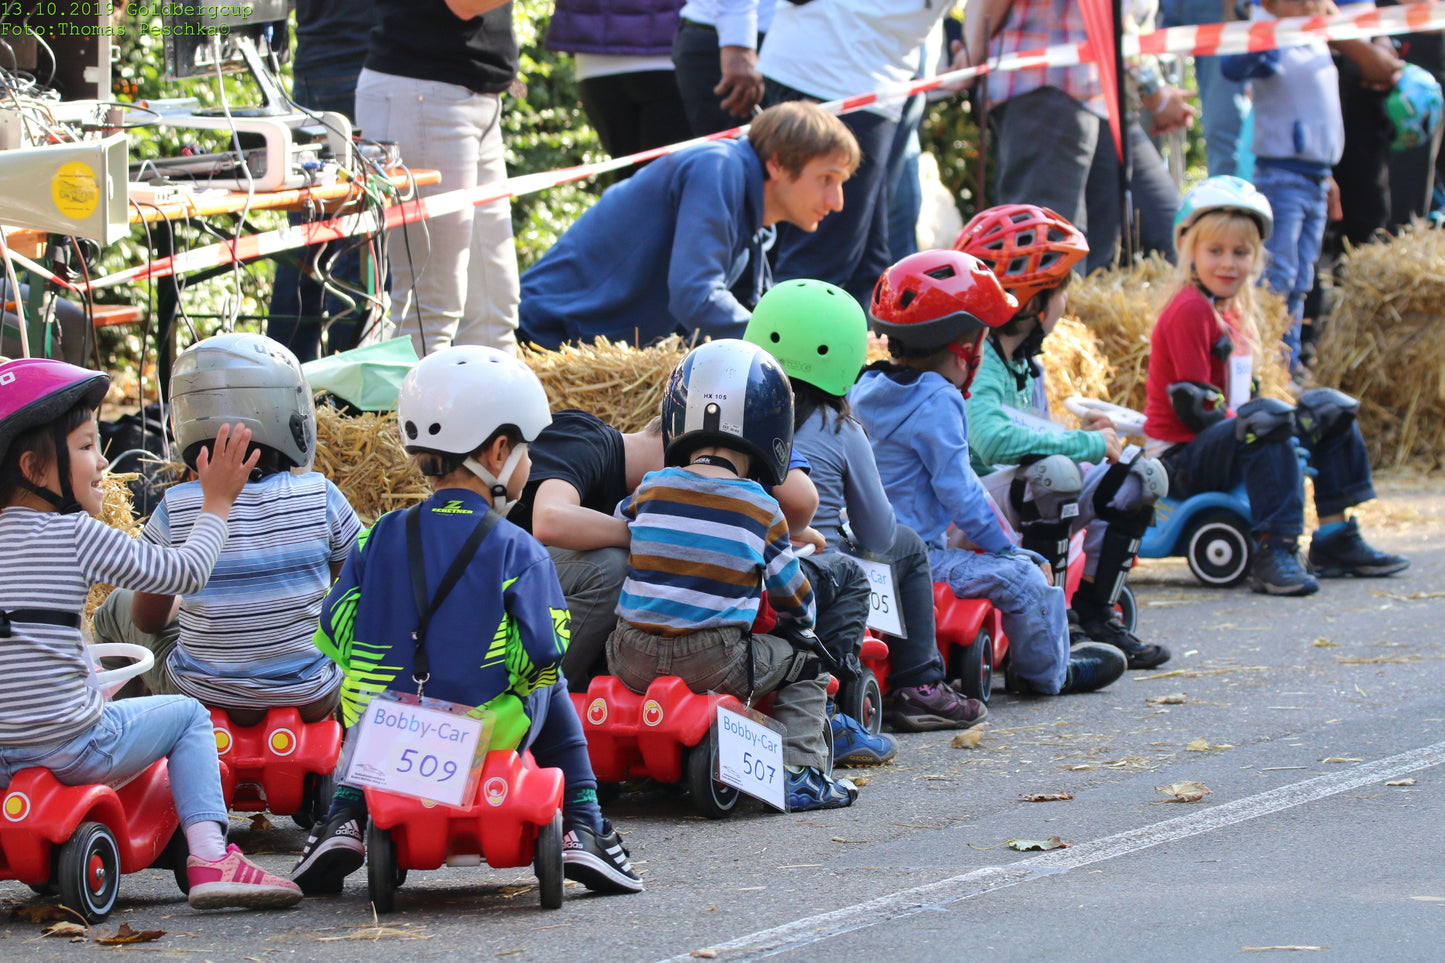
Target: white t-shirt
831	49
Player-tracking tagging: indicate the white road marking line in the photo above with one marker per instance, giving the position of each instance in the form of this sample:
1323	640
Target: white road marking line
933	896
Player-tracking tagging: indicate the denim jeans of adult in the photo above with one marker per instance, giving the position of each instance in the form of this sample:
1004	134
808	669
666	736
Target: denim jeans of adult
297	301
453	277
1222	102
698	70
1214	461
716	660
1154	196
912	660
634	111
132	734
1034	612
1299	204
850	247
591	581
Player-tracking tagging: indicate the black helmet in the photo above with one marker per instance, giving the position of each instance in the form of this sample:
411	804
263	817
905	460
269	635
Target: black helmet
730	393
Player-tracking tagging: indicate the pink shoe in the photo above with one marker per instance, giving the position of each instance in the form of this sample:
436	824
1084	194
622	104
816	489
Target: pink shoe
236	881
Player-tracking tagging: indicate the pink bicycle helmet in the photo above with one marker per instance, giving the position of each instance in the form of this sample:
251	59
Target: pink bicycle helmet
36	392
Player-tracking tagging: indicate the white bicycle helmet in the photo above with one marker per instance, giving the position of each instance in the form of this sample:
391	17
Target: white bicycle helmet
456	399
1224	193
247	379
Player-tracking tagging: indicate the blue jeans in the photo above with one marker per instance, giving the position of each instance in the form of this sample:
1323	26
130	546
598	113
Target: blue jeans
850	247
1214	462
1299	204
1223	102
1034	613
132	734
297	301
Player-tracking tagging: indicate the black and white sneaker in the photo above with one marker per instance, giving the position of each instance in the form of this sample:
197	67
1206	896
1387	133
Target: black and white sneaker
598	862
334	850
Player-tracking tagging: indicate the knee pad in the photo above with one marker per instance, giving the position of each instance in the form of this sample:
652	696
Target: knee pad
1055	483
1322	414
1153	479
1153	485
1263	421
1196	404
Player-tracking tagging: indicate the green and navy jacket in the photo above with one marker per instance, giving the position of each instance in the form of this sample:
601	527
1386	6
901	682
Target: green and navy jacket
497	637
994	438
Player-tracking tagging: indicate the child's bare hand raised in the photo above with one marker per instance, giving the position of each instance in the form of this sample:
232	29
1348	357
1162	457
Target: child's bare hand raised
223	468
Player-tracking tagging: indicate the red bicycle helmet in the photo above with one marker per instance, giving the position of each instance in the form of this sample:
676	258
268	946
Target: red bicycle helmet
935	299
38	391
1031	249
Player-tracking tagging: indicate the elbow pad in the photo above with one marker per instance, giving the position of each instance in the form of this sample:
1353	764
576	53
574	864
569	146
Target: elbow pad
1322	414
1197	404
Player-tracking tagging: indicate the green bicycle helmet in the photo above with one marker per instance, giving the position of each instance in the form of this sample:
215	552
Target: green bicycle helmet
817	331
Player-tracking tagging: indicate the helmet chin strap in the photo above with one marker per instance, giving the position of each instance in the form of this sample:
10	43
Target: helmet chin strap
498	485
65	503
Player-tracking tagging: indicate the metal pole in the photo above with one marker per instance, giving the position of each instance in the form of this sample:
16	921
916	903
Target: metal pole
1126	202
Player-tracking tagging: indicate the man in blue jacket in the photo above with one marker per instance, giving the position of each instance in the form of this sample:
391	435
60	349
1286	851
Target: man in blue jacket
659	253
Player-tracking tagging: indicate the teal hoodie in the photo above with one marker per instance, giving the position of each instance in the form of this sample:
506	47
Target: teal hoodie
999	438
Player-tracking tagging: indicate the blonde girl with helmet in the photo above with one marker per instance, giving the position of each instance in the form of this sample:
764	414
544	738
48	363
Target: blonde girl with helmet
466	415
52	550
1051	482
1204	419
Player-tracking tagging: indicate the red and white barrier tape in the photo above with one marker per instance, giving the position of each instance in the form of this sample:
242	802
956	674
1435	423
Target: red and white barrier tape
1207	39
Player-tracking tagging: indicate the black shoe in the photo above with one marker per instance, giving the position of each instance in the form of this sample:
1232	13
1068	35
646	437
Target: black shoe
334	850
1105	626
1093	665
1276	569
598	862
1345	552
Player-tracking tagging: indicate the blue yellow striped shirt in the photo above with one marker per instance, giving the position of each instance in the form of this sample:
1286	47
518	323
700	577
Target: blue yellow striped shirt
703	549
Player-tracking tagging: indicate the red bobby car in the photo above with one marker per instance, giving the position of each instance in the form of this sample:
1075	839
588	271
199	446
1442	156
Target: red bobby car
662	734
79	840
281	765
515	819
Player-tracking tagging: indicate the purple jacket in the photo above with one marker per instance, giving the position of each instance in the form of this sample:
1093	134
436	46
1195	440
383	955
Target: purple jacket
640	28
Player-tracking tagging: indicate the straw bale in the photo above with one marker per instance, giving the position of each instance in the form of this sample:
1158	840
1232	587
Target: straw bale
362	455
1385	345
618	383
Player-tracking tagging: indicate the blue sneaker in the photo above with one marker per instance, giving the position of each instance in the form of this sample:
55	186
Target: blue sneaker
853	745
810	788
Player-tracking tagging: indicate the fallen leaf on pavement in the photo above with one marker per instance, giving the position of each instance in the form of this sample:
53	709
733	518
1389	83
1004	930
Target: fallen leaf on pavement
260	824
40	913
861	781
1038	845
127	935
1261	949
1400	782
1185	792
1044	796
707	954
1202	745
1342	759
967	740
64	928
1172	699
1324	643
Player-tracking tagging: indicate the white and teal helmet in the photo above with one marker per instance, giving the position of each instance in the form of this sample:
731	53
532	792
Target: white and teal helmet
1224	193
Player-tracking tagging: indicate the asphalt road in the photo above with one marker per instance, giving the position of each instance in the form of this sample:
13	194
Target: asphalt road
1306	709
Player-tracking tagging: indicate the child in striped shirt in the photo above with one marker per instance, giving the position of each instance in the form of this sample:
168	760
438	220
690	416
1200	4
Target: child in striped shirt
51	552
706	540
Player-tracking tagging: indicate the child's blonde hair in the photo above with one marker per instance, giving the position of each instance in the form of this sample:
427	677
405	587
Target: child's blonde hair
1231	225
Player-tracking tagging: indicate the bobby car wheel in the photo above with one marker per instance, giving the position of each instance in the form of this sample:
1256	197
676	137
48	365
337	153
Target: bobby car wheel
711	798
88	871
1218	550
547	863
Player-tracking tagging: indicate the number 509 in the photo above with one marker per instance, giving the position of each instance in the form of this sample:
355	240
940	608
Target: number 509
427	767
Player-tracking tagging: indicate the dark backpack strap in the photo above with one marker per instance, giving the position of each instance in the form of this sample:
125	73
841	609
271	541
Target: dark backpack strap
69	620
421	665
